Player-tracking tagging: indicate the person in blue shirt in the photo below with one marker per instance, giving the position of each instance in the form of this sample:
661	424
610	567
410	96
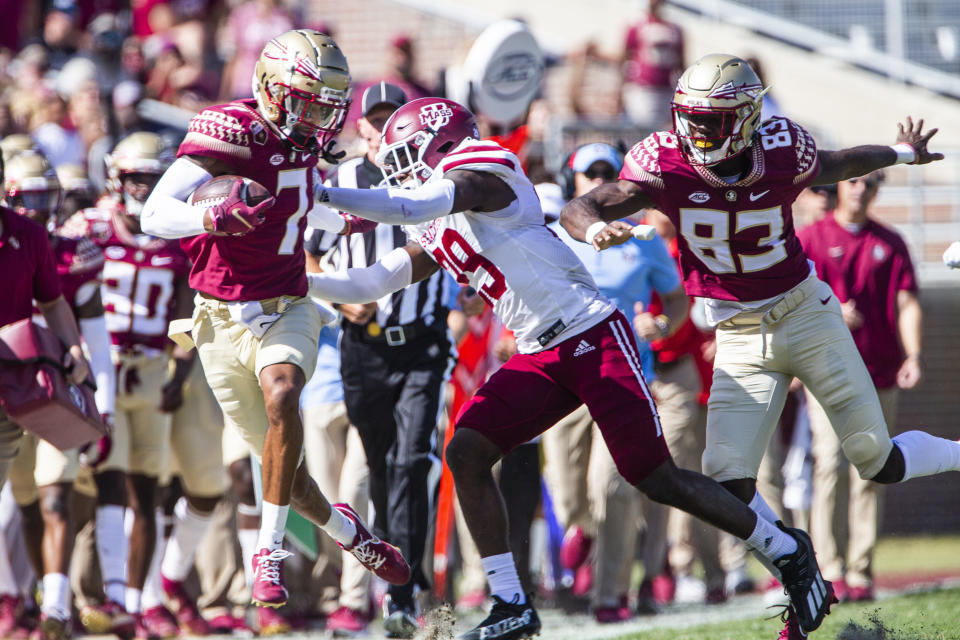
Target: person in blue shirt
594	504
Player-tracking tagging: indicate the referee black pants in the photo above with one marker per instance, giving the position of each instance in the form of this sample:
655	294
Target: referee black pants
393	396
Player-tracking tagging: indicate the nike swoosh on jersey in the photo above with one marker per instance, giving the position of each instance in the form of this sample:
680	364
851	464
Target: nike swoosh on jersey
826	300
756	196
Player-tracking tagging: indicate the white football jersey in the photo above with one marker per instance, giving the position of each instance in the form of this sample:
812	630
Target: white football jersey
536	285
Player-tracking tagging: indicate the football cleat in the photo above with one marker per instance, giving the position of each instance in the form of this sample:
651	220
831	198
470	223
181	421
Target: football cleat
507	621
271	622
791	627
382	558
10	609
186	611
53	627
156	622
810	595
575	548
347	622
268	587
109	617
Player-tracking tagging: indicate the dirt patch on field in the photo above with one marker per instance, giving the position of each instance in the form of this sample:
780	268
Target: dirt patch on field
874	629
438	624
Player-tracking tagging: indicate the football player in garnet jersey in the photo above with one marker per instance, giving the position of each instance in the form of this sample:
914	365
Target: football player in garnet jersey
145	288
469	208
727	183
255	330
42	476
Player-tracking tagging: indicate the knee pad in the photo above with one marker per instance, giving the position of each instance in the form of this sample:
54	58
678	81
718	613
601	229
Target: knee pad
868	451
716	463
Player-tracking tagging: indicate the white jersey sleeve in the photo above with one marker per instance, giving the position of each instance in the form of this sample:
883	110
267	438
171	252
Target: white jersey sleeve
535	283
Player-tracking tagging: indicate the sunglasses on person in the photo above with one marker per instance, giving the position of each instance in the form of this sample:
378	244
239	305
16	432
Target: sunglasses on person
604	173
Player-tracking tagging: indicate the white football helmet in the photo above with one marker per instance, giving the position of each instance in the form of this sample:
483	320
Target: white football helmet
139	153
302	86
716	108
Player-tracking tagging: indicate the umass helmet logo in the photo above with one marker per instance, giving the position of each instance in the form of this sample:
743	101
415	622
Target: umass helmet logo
435	115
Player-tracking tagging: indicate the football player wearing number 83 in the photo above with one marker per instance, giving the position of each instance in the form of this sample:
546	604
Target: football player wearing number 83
728	186
469	208
255	330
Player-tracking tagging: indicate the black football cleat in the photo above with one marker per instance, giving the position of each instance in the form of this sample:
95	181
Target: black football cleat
507	621
810	595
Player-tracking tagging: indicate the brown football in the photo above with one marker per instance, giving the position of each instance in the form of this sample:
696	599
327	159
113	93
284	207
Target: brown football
213	191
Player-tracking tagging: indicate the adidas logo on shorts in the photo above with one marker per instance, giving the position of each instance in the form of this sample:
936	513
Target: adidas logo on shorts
583	348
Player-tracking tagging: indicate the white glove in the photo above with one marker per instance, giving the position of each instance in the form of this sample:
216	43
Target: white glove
951	257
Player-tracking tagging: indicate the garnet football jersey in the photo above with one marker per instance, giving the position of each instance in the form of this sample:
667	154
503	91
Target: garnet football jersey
535	284
79	261
139	279
268	261
737	241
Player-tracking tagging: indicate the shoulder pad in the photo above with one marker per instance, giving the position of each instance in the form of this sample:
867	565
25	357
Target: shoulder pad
213	129
642	162
481	155
791	144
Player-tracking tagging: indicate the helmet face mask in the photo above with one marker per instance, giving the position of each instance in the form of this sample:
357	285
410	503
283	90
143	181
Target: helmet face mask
408	159
302	83
140	158
716	109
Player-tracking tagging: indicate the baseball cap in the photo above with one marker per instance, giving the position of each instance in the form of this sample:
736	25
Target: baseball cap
382	93
595	152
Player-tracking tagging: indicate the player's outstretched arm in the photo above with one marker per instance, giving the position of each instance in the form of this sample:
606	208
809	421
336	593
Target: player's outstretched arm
594	217
394	271
910	148
459	191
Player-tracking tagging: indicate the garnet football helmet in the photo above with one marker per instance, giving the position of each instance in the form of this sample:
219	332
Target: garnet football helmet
716	108
32	188
302	85
417	137
139	153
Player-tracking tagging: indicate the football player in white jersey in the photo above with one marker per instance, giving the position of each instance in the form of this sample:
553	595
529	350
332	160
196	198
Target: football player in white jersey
468	207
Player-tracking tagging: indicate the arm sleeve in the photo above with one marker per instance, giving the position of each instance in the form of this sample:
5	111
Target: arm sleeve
393	206
392	272
94	332
166	213
324	218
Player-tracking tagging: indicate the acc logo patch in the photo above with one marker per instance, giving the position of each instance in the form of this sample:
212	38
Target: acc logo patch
276	159
699	197
115	253
435	115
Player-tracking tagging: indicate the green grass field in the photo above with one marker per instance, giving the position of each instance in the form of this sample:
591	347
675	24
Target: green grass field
922	616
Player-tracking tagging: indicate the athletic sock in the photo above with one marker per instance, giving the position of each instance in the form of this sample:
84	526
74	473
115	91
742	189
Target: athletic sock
188	529
8	581
248	547
152	589
133	600
273	524
762	509
340	528
502	577
56	596
112	551
927	455
770	541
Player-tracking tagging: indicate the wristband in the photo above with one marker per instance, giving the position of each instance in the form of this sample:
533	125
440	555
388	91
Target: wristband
906	154
593	230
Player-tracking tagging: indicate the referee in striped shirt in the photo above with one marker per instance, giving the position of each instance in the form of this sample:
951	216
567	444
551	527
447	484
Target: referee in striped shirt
396	356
